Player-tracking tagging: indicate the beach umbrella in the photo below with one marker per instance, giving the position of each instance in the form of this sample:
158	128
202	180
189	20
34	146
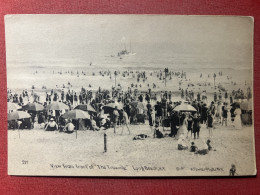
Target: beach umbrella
33	107
113	105
85	107
12	106
246	105
250	104
76	114
185	108
140	105
134	104
57	106
18	115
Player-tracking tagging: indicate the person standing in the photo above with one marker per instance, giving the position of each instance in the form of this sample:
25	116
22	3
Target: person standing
125	122
218	113
151	118
237	121
183	126
204	110
174	123
196	126
210	123
116	117
224	114
189	123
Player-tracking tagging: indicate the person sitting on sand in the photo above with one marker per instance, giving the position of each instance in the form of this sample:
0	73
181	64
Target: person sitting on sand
193	148
105	123
94	126
69	127
51	125
140	137
181	143
157	132
203	150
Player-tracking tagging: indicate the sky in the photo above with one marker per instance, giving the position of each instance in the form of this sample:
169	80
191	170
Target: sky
41	39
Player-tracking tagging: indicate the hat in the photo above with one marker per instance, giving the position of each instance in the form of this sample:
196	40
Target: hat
51	119
156	125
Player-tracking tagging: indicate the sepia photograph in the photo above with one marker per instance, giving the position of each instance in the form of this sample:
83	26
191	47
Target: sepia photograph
130	95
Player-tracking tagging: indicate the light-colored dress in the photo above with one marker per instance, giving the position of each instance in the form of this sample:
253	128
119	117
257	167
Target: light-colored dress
237	121
182	129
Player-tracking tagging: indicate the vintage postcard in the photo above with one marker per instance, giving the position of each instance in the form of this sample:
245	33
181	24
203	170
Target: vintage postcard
130	95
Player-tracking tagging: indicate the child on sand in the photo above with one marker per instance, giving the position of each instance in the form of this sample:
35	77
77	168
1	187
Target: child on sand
181	143
209	145
193	148
157	132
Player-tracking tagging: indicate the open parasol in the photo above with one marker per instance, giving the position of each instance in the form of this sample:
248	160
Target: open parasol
57	106
33	107
76	114
185	108
12	106
113	105
86	107
18	115
246	105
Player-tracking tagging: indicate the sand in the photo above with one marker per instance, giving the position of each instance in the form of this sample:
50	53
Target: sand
43	150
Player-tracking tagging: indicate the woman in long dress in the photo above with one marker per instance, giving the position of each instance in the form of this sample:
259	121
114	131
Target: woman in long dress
237	121
183	127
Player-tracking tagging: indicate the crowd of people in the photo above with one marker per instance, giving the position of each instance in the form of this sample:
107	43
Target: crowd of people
118	107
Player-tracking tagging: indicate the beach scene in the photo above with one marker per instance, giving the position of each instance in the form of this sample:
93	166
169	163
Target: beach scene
130	95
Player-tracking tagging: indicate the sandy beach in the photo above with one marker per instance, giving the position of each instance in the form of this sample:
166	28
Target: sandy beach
50	153
109	62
